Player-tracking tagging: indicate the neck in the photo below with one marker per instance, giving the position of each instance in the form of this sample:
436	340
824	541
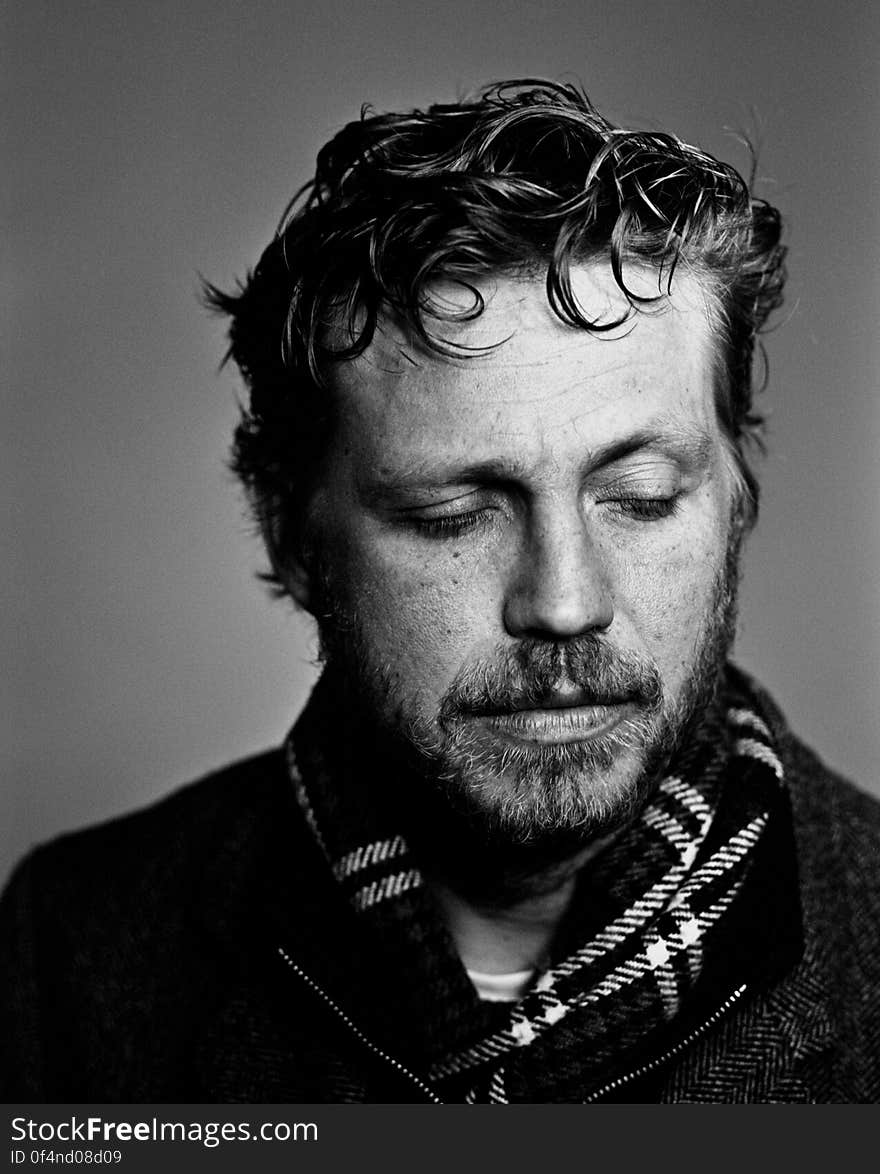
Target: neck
513	931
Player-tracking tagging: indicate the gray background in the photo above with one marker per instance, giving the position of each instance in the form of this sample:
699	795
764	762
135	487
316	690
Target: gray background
147	142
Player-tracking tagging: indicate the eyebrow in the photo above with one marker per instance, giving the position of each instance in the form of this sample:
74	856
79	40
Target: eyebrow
690	445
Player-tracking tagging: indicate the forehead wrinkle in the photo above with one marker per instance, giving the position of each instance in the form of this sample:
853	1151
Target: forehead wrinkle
395	344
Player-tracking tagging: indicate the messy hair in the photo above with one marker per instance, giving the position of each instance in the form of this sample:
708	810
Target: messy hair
524	178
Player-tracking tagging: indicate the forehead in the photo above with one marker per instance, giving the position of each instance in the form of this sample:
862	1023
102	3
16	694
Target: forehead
518	379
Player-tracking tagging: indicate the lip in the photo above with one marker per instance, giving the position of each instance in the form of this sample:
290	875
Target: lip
556	724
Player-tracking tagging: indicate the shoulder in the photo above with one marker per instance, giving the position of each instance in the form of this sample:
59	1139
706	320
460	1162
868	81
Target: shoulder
835	819
202	809
121	945
830	811
822	797
836	826
837	832
837	841
144	865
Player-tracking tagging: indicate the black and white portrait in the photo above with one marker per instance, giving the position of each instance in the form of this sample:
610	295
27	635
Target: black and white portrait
442	621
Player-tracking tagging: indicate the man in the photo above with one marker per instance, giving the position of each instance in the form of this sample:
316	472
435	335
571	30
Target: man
532	839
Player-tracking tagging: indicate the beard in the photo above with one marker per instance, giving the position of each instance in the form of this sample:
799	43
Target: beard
513	806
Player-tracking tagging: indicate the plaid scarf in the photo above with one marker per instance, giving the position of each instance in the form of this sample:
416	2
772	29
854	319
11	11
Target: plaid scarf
653	921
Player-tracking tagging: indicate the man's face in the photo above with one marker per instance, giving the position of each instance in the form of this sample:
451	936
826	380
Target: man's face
527	568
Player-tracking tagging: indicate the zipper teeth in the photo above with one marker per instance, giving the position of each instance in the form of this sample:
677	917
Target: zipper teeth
432	1096
368	1043
679	1047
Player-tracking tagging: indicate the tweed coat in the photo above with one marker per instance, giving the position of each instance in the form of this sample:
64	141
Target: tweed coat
199	951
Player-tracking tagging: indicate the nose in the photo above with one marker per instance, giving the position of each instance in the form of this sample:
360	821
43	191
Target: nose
559	588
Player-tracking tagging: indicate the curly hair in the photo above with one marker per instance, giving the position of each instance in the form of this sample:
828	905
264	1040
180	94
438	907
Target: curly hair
524	178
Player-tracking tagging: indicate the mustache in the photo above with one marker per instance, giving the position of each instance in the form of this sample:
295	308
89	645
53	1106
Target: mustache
586	669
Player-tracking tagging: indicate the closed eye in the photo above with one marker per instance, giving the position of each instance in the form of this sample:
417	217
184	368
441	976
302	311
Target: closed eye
451	525
648	509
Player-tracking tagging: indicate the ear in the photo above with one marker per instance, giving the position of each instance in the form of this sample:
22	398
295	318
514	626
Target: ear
291	564
298	583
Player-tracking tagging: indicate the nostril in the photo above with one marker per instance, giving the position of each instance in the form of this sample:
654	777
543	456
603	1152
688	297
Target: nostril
555	608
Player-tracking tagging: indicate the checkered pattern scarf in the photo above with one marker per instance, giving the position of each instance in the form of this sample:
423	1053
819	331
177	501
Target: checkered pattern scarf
653	915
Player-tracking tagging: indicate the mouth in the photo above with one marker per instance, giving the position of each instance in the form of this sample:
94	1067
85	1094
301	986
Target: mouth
556	721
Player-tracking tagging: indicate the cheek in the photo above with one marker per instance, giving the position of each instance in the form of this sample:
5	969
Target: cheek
666	599
424	613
